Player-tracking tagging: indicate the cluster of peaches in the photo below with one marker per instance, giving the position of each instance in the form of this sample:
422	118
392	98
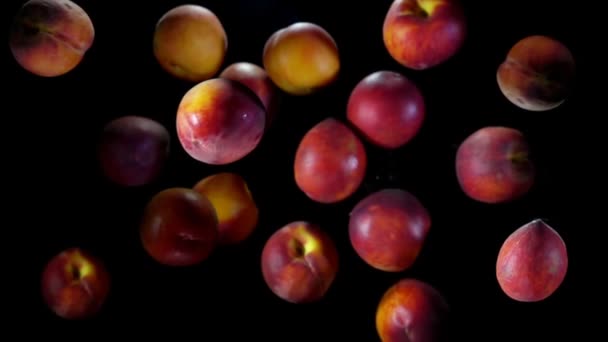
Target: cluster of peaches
224	116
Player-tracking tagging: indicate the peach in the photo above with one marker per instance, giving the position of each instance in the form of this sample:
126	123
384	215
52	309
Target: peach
301	58
421	34
75	284
537	74
133	150
220	121
387	108
49	38
412	310
387	229
330	162
179	227
532	262
299	262
493	165
255	78
190	43
235	207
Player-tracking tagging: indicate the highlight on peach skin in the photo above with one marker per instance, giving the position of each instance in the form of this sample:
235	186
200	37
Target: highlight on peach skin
412	310
330	162
421	34
50	38
220	121
537	73
387	108
493	165
387	229
301	58
532	262
133	150
299	262
257	80
75	284
190	43
179	227
235	206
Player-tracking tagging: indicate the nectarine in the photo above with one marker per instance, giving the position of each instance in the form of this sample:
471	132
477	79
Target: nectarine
493	165
255	78
179	227
301	58
388	228
133	150
537	74
532	262
75	284
330	162
412	311
49	38
220	121
235	207
387	108
299	262
190	43
421	34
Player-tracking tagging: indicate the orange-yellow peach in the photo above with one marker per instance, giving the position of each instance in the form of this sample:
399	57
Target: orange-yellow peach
256	79
235	206
538	73
301	58
190	43
299	262
412	311
49	38
75	284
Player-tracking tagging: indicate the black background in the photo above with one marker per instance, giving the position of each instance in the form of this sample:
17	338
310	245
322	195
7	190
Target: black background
69	203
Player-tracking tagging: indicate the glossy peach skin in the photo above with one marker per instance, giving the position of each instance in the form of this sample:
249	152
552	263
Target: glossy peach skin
179	227
537	74
493	165
387	229
421	34
190	43
49	38
255	78
235	206
412	311
75	284
532	262
299	262
301	58
220	121
330	162
387	108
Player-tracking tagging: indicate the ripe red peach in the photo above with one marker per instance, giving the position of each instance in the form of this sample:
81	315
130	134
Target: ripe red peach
299	262
190	43
537	74
493	165
301	58
235	206
220	121
75	284
255	78
421	34
133	150
532	262
387	108
49	38
387	229
412	310
330	162
179	227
